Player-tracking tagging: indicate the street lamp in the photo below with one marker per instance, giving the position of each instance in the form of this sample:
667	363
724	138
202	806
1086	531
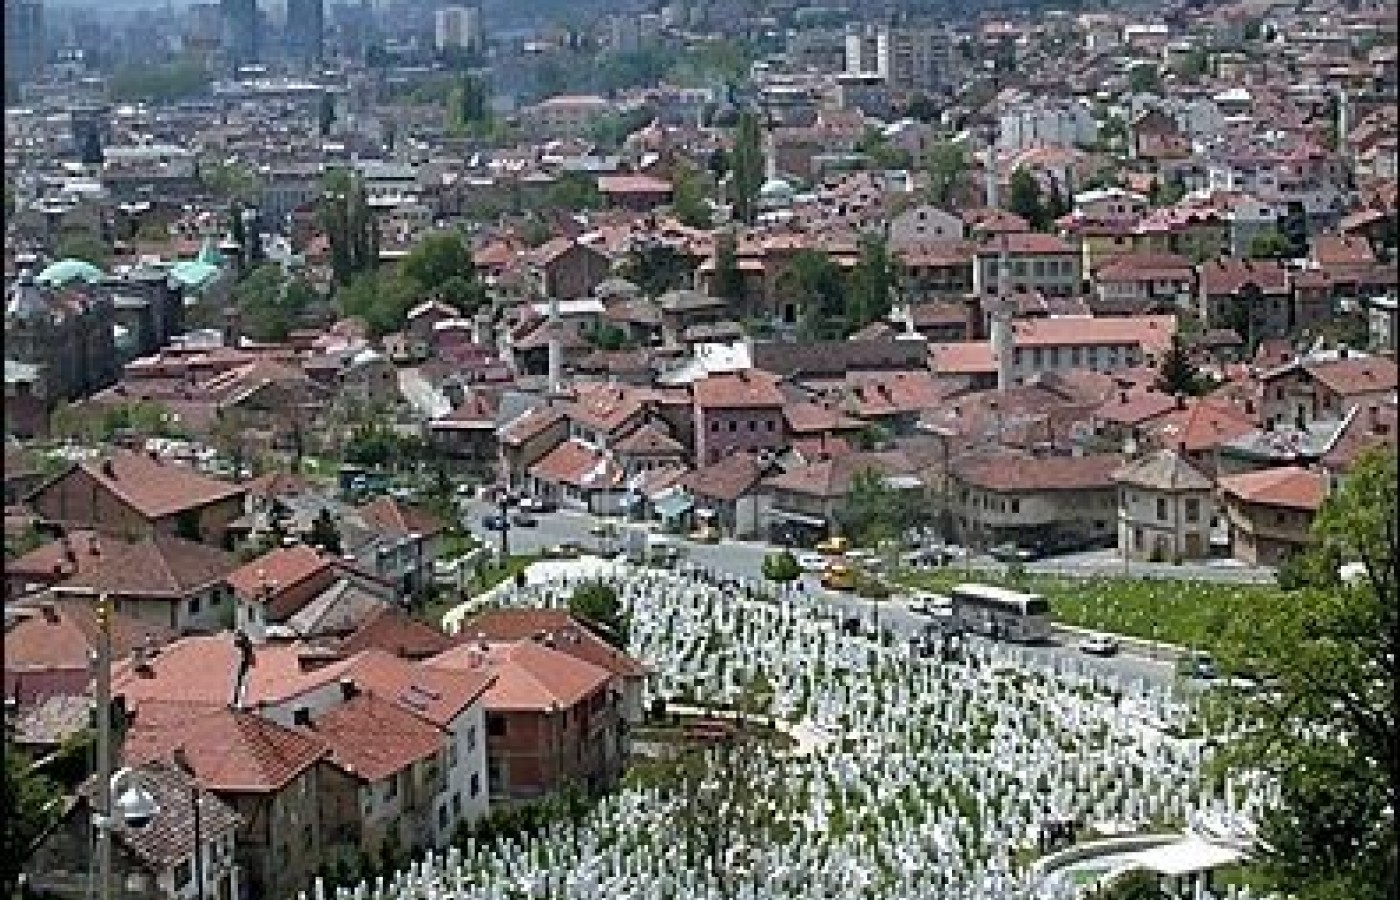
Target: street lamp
134	808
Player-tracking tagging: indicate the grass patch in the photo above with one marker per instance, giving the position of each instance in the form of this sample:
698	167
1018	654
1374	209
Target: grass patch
1189	613
444	600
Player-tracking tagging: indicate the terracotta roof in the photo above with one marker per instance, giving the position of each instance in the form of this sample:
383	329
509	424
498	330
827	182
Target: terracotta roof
530	425
227	749
1017	242
199	671
633	184
807	418
649	439
1290	486
371	738
60	635
1165	470
153	488
278	569
389	516
1146	266
1355	374
570	636
575	463
169	838
1204	425
61	558
730	478
1135	407
1365	427
748	389
528	676
961	358
166	567
393	631
277	484
1228	276
1005	472
1333	249
831	478
1152	333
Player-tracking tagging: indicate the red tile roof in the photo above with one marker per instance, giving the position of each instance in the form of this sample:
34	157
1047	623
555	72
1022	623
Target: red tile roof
1229	276
570	636
831	478
1008	472
528	676
1135	407
1355	374
727	479
1290	486
579	465
393	631
165	567
275	573
153	488
371	738
1204	425
58	559
390	516
432	694
227	749
749	389
1152	333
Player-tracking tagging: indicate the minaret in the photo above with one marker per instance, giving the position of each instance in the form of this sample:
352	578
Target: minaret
992	188
556	350
999	312
1343	122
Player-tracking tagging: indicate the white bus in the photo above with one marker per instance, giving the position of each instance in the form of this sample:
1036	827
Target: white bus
1001	613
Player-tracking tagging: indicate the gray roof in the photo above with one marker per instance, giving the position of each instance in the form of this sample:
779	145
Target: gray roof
1164	470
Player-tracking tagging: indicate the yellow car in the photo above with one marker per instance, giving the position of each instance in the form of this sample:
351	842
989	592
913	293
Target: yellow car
839	577
705	536
833	546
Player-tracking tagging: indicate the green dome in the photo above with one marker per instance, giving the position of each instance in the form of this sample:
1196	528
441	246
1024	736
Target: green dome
67	271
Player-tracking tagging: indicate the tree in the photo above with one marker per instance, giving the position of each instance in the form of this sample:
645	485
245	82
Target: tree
1057	204
229	181
382	299
82	245
1026	199
1144	79
1327	730
1269	245
597	605
574	191
874	512
728	281
325	114
270	304
656	267
872	284
31	804
158	84
781	567
324	534
1137	884
818	288
689	202
947	163
437	258
349	225
1177	374
238	233
921	107
748	167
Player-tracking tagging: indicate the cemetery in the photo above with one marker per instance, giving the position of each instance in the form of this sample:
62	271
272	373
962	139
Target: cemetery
970	772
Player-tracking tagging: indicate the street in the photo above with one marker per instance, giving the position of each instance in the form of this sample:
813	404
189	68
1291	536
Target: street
744	560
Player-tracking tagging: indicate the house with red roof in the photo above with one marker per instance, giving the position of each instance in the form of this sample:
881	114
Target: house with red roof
1003	496
737	411
1325	385
1270	512
1252	296
268	774
134	495
552	718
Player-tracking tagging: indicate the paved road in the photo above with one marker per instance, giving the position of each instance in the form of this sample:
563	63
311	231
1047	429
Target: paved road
738	559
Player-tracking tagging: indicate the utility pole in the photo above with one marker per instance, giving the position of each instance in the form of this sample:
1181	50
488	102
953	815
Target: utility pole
103	615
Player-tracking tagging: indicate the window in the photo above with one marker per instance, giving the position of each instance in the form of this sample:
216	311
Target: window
495	725
1137	538
1161	510
753	426
1193	510
471	739
733	426
770	426
392	789
194	606
714	427
183	875
476	783
442	816
457	801
1015	506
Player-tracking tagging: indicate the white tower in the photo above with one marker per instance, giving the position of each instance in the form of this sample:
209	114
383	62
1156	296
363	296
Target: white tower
999	311
993	198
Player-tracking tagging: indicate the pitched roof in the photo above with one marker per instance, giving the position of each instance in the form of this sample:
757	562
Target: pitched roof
431	694
570	636
278	569
60	635
528	676
832	477
392	630
1204	425
650	438
169	838
78	550
1229	275
392	517
575	463
1165	470
1135	407
153	488
1290	486
748	389
1003	471
166	567
227	749
1355	374
372	738
729	478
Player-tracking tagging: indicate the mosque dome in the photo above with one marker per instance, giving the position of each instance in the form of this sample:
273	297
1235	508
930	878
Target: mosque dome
66	271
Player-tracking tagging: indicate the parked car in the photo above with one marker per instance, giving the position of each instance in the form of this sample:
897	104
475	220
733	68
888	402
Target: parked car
566	550
1098	645
524	520
809	561
1196	664
494	523
705	536
1010	553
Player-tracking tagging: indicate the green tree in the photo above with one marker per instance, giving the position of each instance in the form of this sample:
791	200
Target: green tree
1026	200
324	534
656	268
748	167
1177	374
947	164
817	286
876	146
229	181
158	84
325	114
872	284
82	245
728	280
438	257
238	233
575	192
1144	79
1269	245
689	202
781	567
875	513
382	299
270	304
597	605
1137	884
350	226
1327	731
31	805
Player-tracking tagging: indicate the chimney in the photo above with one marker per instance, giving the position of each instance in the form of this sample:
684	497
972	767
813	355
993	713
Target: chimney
50	612
348	689
301	716
1342	351
108	470
1180	401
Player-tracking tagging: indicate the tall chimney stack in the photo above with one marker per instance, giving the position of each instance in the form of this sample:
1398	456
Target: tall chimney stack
556	349
1002	334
